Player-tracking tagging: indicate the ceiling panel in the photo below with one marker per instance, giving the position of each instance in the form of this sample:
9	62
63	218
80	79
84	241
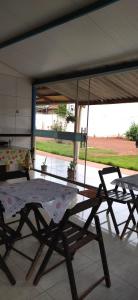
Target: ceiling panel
106	36
27	14
116	88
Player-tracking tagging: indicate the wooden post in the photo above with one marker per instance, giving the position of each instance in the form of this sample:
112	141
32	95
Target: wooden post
78	109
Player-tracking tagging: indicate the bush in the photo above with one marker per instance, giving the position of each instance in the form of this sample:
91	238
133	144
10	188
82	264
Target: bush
58	126
132	133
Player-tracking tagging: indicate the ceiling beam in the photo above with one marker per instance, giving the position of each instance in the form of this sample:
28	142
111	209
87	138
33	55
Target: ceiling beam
46	102
43	94
98	4
110	101
89	73
92	102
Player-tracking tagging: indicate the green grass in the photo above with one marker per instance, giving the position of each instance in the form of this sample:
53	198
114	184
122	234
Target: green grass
56	148
103	156
66	149
125	161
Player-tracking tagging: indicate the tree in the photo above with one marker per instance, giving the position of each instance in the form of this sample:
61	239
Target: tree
132	132
61	111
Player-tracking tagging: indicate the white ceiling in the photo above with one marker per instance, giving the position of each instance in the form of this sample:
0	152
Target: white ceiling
22	15
105	36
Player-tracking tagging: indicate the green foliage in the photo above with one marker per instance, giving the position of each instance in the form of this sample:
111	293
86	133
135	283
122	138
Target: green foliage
44	162
72	165
70	117
61	111
132	132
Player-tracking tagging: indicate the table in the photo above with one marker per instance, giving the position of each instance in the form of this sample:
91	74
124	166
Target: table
28	196
128	182
14	158
53	197
131	183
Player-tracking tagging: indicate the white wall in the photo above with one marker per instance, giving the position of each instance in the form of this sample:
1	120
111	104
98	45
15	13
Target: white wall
111	120
104	120
15	105
45	121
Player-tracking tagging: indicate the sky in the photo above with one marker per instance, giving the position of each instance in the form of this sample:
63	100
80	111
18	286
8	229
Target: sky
110	120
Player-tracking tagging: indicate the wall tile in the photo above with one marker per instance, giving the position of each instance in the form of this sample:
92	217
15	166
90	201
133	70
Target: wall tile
24	88
23	124
8	85
24	106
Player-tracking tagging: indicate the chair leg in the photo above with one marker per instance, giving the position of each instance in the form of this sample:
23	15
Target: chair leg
108	210
102	252
43	265
40	221
68	258
6	270
91	216
35	261
37	221
113	217
25	219
23	215
128	221
133	219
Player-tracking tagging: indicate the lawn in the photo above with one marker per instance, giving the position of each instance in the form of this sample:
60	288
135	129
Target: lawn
104	156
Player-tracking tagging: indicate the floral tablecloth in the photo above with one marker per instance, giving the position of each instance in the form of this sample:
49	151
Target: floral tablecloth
53	197
14	158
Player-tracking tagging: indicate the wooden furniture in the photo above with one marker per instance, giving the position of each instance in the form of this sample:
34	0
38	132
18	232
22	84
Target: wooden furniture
15	163
27	197
2	172
66	238
131	183
115	195
4	175
7	236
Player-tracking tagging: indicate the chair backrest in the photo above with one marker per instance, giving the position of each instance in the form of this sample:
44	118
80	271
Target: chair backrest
81	206
65	225
76	235
107	171
92	204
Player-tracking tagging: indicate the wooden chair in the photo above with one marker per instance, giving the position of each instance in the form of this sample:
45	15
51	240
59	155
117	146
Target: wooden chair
134	207
115	195
66	238
4	176
7	235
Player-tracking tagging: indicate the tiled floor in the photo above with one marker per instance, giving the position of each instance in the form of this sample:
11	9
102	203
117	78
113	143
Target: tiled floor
122	259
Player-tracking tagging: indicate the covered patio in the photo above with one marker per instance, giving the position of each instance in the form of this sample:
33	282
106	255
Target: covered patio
79	53
122	256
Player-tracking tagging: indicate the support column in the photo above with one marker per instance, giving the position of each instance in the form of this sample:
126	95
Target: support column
78	110
33	123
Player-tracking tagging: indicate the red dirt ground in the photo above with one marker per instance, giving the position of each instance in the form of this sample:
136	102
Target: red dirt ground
121	146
